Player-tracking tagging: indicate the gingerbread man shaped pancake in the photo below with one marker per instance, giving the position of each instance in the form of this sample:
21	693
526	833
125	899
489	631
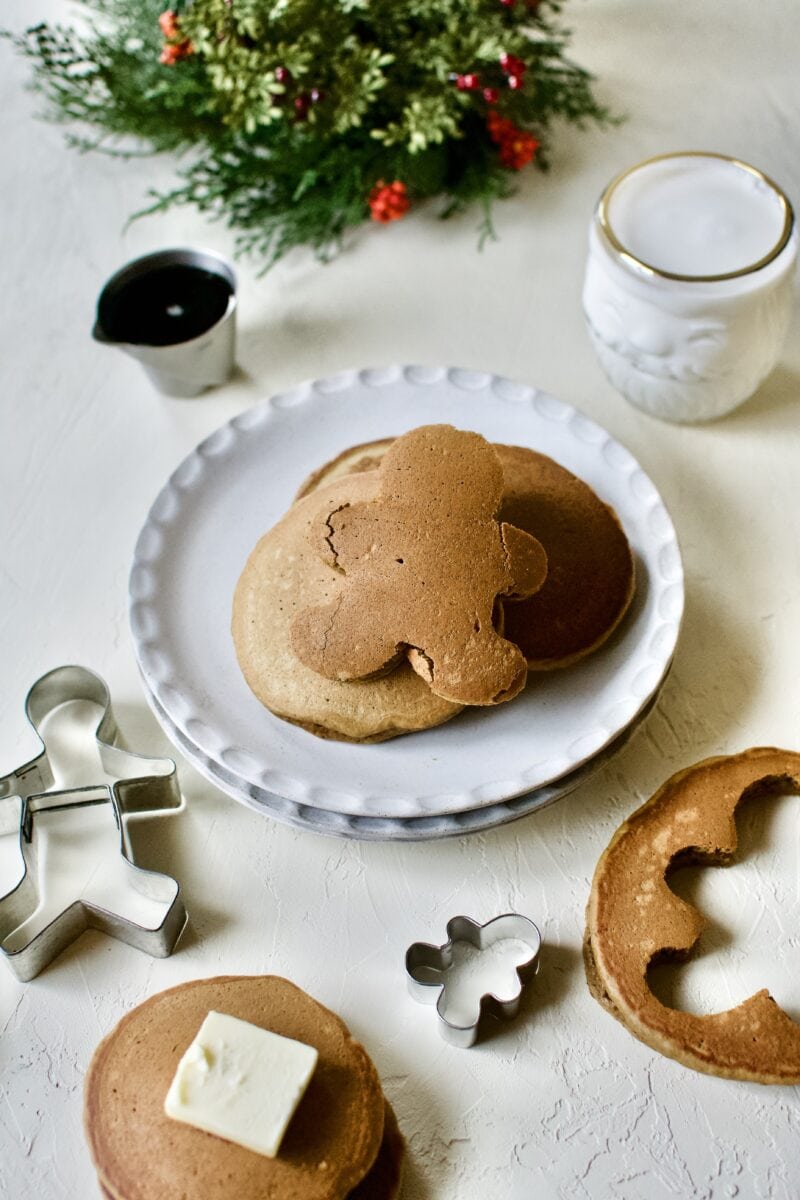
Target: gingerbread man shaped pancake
424	563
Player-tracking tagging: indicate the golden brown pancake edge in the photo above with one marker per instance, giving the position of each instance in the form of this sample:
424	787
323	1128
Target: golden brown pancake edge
633	919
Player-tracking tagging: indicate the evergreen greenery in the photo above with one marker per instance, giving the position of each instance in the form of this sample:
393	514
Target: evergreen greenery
289	114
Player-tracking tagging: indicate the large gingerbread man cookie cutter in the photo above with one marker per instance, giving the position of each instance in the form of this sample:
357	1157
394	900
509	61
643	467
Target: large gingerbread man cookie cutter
635	920
141	785
425	562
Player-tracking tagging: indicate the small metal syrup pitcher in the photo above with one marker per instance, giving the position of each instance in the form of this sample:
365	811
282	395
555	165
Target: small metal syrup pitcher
175	312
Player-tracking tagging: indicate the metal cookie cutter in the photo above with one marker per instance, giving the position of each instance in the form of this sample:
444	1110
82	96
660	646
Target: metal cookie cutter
142	785
426	968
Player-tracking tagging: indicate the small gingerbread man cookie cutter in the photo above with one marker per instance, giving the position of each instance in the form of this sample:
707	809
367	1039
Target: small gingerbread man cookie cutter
141	785
426	966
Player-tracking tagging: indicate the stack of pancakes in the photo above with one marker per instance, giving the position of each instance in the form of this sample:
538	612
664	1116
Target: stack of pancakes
587	590
342	1143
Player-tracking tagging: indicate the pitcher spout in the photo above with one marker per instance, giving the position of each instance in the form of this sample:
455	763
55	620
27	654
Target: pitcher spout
99	334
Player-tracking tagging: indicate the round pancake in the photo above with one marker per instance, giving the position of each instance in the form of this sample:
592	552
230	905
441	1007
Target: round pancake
590	569
382	1180
590	572
634	920
282	577
141	1154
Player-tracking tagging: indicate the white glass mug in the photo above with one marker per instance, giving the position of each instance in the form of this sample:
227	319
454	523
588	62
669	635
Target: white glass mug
689	283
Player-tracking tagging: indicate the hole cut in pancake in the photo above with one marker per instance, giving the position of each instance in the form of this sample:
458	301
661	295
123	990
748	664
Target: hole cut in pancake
635	920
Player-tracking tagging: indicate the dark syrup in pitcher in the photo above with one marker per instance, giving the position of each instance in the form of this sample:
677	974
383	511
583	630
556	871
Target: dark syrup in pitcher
164	306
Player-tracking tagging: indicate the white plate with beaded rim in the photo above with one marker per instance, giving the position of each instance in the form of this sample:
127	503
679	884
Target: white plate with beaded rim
238	482
394	829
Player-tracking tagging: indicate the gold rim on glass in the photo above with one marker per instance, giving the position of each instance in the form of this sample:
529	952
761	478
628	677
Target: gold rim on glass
626	254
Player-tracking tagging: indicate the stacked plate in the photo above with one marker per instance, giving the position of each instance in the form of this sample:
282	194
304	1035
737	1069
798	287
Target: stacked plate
485	767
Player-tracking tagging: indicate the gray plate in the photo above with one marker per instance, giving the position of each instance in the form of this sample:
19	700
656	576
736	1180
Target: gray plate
391	829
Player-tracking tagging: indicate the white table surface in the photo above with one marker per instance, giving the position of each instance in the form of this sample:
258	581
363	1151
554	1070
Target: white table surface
563	1103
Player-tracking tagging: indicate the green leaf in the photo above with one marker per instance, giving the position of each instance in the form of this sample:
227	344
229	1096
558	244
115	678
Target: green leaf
370	95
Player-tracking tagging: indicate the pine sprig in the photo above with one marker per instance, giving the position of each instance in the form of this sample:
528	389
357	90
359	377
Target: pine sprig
296	115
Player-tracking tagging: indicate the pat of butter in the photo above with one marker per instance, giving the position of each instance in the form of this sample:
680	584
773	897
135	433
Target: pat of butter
241	1082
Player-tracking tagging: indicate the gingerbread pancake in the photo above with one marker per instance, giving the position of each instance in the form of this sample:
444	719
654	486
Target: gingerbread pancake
424	562
590	569
381	1182
634	920
282	577
333	1138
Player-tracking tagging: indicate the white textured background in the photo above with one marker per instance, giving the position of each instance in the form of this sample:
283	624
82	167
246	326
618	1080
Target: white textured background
563	1103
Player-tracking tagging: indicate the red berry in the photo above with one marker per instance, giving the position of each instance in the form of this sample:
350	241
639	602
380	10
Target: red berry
517	149
512	65
316	95
301	103
468	83
283	75
491	95
500	128
173	52
515	82
388	201
168	23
